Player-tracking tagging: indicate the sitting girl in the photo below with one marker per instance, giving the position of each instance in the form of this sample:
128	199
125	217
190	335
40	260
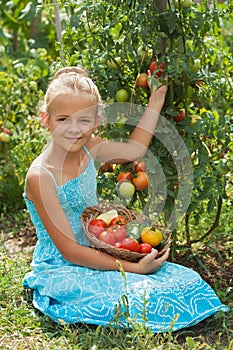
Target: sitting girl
73	282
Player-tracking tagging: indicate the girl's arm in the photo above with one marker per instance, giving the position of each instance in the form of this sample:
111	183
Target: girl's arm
41	190
139	140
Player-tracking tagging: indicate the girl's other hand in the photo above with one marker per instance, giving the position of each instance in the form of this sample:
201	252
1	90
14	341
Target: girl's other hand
149	263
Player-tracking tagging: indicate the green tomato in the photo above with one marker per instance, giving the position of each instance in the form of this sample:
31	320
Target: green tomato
142	53
112	64
189	91
186	3
4	137
126	189
110	100
196	65
122	95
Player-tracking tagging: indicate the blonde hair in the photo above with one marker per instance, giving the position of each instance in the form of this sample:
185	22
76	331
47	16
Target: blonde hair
70	81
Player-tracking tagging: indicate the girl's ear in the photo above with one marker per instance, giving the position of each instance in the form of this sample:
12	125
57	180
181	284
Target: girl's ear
45	120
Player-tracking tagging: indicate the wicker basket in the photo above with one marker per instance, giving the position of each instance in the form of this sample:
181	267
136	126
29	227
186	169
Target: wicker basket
90	213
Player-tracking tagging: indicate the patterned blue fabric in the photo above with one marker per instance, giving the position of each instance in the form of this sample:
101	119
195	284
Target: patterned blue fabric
70	293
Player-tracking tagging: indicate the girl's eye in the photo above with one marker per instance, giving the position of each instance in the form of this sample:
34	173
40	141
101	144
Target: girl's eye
85	120
62	119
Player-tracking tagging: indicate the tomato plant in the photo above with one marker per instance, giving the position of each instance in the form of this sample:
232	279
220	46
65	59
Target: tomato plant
114	42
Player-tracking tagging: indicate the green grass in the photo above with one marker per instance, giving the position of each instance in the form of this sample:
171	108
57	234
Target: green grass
23	327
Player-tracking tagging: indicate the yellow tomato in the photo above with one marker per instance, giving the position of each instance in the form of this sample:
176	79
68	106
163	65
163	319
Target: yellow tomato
152	236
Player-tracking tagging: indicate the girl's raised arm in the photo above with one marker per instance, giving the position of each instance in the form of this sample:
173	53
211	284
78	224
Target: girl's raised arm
139	140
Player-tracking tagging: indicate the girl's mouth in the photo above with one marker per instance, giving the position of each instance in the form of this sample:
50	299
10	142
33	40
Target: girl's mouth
73	139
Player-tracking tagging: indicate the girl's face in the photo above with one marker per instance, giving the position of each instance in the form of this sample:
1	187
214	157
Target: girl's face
72	121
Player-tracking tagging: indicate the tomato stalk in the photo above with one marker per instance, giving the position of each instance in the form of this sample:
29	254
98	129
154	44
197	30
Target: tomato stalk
161	7
141	198
214	225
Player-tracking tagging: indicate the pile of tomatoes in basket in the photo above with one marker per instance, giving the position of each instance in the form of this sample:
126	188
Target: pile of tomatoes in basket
115	230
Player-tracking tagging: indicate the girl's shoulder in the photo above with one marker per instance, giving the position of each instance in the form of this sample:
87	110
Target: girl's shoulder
37	172
36	167
39	177
92	145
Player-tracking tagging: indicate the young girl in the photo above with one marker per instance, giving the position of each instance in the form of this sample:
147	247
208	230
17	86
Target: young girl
73	282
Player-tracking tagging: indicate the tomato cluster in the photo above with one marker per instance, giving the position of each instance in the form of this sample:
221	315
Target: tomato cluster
155	68
114	234
134	179
119	233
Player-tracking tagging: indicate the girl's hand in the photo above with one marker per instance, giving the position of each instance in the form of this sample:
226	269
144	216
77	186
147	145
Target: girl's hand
156	85
149	264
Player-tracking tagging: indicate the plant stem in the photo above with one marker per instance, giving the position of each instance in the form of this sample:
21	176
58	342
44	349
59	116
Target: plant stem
187	231
215	223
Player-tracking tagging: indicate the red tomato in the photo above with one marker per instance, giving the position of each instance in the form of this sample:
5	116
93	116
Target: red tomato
7	131
139	165
154	66
130	243
145	248
118	245
142	80
107	237
96	226
119	232
141	181
180	116
119	220
124	175
106	168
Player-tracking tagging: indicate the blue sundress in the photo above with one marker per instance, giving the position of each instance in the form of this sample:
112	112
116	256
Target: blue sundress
174	297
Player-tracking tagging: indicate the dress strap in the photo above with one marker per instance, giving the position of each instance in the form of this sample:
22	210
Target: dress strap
47	171
87	152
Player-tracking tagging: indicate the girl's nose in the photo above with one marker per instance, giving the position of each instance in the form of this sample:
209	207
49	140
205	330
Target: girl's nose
74	125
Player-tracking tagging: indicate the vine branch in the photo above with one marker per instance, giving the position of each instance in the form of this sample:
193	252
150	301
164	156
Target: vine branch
215	223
